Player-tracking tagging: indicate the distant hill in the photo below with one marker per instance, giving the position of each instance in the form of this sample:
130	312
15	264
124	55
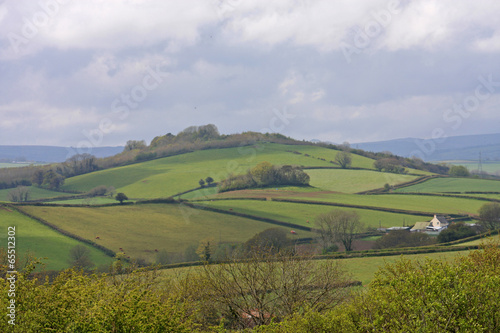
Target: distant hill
50	154
466	147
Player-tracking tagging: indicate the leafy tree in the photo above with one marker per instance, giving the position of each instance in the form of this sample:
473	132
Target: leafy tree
262	173
38	177
121	197
390	164
343	158
79	256
209	180
52	180
80	164
459	171
272	240
339	225
489	214
201	182
206	248
134	144
455	231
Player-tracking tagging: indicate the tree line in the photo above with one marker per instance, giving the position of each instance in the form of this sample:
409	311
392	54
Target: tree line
265	174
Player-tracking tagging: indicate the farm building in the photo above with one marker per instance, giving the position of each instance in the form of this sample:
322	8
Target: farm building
438	223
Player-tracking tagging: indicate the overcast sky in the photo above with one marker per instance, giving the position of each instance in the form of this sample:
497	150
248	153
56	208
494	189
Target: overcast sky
79	73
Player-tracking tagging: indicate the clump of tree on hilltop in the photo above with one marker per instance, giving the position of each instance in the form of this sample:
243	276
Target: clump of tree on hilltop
190	139
265	174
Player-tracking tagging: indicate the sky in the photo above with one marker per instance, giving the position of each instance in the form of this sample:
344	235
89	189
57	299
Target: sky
101	72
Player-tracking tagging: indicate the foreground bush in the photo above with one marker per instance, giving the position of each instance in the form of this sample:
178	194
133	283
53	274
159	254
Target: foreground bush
412	296
75	302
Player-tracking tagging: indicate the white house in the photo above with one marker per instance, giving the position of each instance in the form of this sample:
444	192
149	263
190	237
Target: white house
438	223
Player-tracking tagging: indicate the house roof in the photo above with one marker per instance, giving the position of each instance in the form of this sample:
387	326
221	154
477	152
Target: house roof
420	226
441	219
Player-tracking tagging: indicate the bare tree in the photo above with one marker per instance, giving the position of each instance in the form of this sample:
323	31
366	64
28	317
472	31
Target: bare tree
19	194
270	287
339	225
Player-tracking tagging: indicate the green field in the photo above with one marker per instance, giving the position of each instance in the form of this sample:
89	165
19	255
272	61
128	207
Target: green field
86	201
454	185
301	213
167	176
353	181
420	203
36	193
140	229
41	241
364	269
492	167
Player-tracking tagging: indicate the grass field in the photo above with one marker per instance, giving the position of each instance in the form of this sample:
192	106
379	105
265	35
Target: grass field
35	193
492	167
454	185
301	213
364	269
168	176
86	201
420	203
353	181
41	241
140	229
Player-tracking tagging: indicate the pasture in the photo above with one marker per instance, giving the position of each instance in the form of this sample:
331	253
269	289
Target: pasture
42	242
449	184
420	203
36	193
142	229
353	181
301	213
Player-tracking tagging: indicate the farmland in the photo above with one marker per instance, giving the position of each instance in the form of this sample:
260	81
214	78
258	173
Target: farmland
142	229
353	181
304	214
441	185
36	193
43	242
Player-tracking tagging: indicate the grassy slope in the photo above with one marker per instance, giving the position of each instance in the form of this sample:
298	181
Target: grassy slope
301	213
42	241
168	176
454	185
35	193
140	229
353	181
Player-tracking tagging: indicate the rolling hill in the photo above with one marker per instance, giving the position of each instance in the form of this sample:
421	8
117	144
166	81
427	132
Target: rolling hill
141	229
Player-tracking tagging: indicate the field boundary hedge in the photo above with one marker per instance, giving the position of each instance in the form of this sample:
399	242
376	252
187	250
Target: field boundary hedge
416	181
444	194
105	250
